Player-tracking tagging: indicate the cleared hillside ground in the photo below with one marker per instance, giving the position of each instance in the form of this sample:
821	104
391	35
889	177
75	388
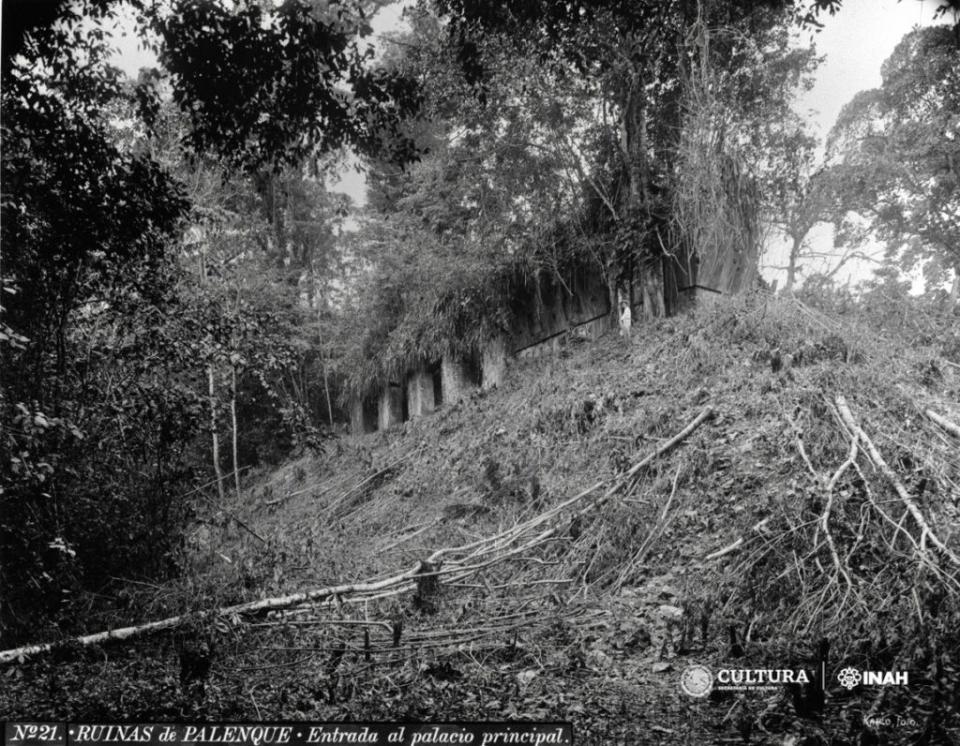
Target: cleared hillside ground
760	534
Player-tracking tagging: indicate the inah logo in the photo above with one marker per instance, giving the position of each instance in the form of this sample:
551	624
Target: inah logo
697	681
849	678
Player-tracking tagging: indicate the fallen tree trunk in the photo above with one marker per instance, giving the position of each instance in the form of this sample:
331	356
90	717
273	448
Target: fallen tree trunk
943	422
251	607
502	545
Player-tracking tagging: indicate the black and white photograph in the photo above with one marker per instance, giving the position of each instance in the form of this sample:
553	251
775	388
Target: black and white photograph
489	372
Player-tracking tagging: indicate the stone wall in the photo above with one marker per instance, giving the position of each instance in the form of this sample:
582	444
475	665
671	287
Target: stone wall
363	417
697	297
579	305
420	397
459	379
391	406
494	363
553	308
596	327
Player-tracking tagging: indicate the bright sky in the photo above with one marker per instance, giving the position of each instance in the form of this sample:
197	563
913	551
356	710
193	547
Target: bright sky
855	42
352	181
131	56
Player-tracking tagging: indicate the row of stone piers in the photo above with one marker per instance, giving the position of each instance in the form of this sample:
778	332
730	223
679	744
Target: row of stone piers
428	387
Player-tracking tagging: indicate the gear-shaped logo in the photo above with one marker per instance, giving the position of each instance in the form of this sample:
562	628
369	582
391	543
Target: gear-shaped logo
849	677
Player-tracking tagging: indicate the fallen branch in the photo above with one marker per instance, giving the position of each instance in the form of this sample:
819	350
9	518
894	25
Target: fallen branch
907	499
502	546
943	422
653	536
251	607
508	537
757	527
705	415
828	507
409	536
326	622
288	495
359	487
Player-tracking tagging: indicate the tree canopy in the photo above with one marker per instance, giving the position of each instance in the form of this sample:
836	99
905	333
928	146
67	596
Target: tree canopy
121	336
895	153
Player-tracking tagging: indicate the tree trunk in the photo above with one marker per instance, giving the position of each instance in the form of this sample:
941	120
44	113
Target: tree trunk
211	390
326	391
654	305
213	431
635	145
792	265
653	267
233	423
612	300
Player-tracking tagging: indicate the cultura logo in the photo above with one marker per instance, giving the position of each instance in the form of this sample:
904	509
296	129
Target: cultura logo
764	677
697	681
851	677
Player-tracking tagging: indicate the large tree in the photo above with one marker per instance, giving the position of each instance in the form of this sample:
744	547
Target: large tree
686	85
895	154
799	196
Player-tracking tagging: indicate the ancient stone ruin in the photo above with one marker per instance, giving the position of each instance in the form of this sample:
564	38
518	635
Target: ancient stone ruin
552	311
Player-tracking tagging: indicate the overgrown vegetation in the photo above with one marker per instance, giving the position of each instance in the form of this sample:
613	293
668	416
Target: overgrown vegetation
642	169
187	305
732	532
154	262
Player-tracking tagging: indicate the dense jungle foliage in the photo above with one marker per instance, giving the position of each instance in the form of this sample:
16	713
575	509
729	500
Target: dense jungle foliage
190	306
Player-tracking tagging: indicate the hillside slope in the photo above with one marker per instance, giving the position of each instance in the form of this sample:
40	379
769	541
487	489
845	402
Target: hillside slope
762	540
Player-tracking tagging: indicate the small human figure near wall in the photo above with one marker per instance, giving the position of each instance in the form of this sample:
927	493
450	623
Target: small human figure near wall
626	318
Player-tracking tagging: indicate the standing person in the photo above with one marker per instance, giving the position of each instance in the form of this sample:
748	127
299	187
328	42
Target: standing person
626	317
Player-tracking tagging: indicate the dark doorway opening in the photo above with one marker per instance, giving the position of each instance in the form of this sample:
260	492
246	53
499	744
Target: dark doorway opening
370	415
436	375
473	370
400	392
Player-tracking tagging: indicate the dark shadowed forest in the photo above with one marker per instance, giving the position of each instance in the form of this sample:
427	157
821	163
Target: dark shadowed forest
617	395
